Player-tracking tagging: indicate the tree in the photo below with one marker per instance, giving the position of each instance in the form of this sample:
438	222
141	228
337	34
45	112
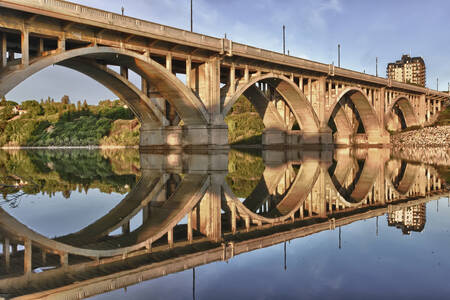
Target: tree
3	102
65	99
85	105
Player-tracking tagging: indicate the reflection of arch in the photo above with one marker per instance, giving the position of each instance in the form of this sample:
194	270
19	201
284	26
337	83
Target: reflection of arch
362	182
148	186
265	187
291	202
297	102
403	108
367	113
405	178
163	218
188	106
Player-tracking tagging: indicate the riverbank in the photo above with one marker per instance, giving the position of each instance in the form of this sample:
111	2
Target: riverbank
93	147
438	136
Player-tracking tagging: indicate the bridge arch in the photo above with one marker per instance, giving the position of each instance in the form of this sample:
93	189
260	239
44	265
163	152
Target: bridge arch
188	106
401	107
363	110
293	96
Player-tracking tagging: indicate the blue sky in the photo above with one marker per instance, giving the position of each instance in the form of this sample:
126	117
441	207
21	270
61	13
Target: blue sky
365	30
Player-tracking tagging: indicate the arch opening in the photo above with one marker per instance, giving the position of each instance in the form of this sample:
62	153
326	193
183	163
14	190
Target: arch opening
401	115
353	119
93	62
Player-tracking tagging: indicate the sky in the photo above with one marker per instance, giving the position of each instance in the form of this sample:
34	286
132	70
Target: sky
365	30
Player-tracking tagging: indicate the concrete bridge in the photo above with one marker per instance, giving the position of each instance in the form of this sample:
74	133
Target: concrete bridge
190	81
190	217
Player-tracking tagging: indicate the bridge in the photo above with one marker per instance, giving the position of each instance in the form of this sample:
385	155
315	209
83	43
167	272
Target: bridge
191	216
190	81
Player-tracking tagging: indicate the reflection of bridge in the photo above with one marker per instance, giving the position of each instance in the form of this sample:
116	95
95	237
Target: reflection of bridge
190	216
301	102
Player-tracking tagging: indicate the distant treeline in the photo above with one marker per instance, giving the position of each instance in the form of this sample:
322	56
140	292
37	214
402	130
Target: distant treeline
50	123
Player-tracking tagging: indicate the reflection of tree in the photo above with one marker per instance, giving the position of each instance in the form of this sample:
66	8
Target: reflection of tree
11	195
32	172
244	172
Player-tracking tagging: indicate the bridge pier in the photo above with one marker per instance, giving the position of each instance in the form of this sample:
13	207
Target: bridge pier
177	137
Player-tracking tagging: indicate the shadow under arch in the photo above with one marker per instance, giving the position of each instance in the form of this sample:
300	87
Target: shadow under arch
293	96
363	110
401	107
187	105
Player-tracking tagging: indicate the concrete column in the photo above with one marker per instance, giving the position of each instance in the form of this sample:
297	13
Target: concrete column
25	47
3	53
44	256
170	237
6	253
310	90
422	109
124	72
27	263
126	227
189	227
246	74
321	101
41	47
64	259
379	105
62	43
144	86
169	62
188	70
145	211
233	218
300	83
232	78
329	92
210	216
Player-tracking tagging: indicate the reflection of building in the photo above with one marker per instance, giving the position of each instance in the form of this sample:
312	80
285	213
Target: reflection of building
409	219
408	69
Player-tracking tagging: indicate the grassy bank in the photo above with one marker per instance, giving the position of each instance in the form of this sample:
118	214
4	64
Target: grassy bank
49	123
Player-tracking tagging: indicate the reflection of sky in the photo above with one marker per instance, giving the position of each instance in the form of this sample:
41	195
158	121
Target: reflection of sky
390	265
57	215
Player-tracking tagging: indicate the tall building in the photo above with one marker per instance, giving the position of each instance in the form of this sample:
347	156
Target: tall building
412	218
408	69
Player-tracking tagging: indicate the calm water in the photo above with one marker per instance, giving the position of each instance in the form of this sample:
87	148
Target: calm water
274	225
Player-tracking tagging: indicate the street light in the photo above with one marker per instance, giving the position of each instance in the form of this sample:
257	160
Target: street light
284	39
376	67
191	18
339	55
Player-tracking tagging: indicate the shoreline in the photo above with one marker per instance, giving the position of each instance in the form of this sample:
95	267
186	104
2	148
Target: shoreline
92	147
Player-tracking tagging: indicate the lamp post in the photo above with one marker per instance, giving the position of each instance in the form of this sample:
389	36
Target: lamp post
192	28
376	66
284	39
339	55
